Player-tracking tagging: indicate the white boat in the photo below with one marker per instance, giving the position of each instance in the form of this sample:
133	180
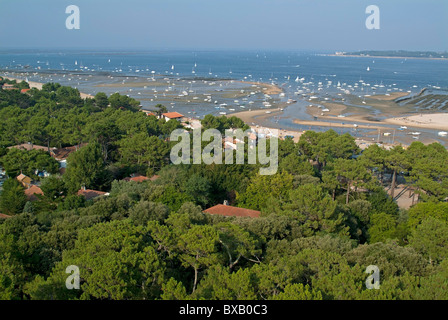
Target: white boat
368	68
403	127
387	134
415	133
443	133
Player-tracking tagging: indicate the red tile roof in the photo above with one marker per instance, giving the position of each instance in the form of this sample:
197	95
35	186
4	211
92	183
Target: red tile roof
24	90
229	211
172	115
4	216
32	191
90	194
139	178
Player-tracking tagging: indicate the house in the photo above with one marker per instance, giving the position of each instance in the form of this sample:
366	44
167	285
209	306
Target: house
32	191
8	86
62	154
24	180
136	178
4	216
230	211
149	113
172	115
90	194
24	90
29	146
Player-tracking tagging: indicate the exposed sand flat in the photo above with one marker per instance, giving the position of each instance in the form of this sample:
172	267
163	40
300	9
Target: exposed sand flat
250	115
430	121
267	88
132	84
339	125
391	96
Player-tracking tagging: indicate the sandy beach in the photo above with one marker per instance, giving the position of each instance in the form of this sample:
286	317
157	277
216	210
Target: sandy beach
431	121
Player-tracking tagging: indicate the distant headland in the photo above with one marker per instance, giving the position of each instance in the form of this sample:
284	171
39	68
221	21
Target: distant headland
403	54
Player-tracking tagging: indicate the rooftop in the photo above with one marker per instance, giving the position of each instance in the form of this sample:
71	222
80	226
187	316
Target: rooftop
90	194
63	153
136	178
229	211
172	115
29	146
32	191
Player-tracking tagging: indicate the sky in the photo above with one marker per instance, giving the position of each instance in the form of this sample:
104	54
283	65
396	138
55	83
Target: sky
303	25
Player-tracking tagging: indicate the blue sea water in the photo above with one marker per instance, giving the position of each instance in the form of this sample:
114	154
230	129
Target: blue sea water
256	66
319	74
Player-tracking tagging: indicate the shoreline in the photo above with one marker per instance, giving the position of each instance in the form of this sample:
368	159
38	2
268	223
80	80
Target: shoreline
262	117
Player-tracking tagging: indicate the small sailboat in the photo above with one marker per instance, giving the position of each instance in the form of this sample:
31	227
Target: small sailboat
368	68
172	67
297	79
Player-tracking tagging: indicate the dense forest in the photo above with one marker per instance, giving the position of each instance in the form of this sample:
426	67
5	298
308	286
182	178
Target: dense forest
326	215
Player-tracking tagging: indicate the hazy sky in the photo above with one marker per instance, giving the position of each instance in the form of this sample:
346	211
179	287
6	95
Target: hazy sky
226	24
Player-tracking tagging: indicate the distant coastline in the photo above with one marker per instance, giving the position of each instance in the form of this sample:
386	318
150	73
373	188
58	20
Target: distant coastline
397	54
381	57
